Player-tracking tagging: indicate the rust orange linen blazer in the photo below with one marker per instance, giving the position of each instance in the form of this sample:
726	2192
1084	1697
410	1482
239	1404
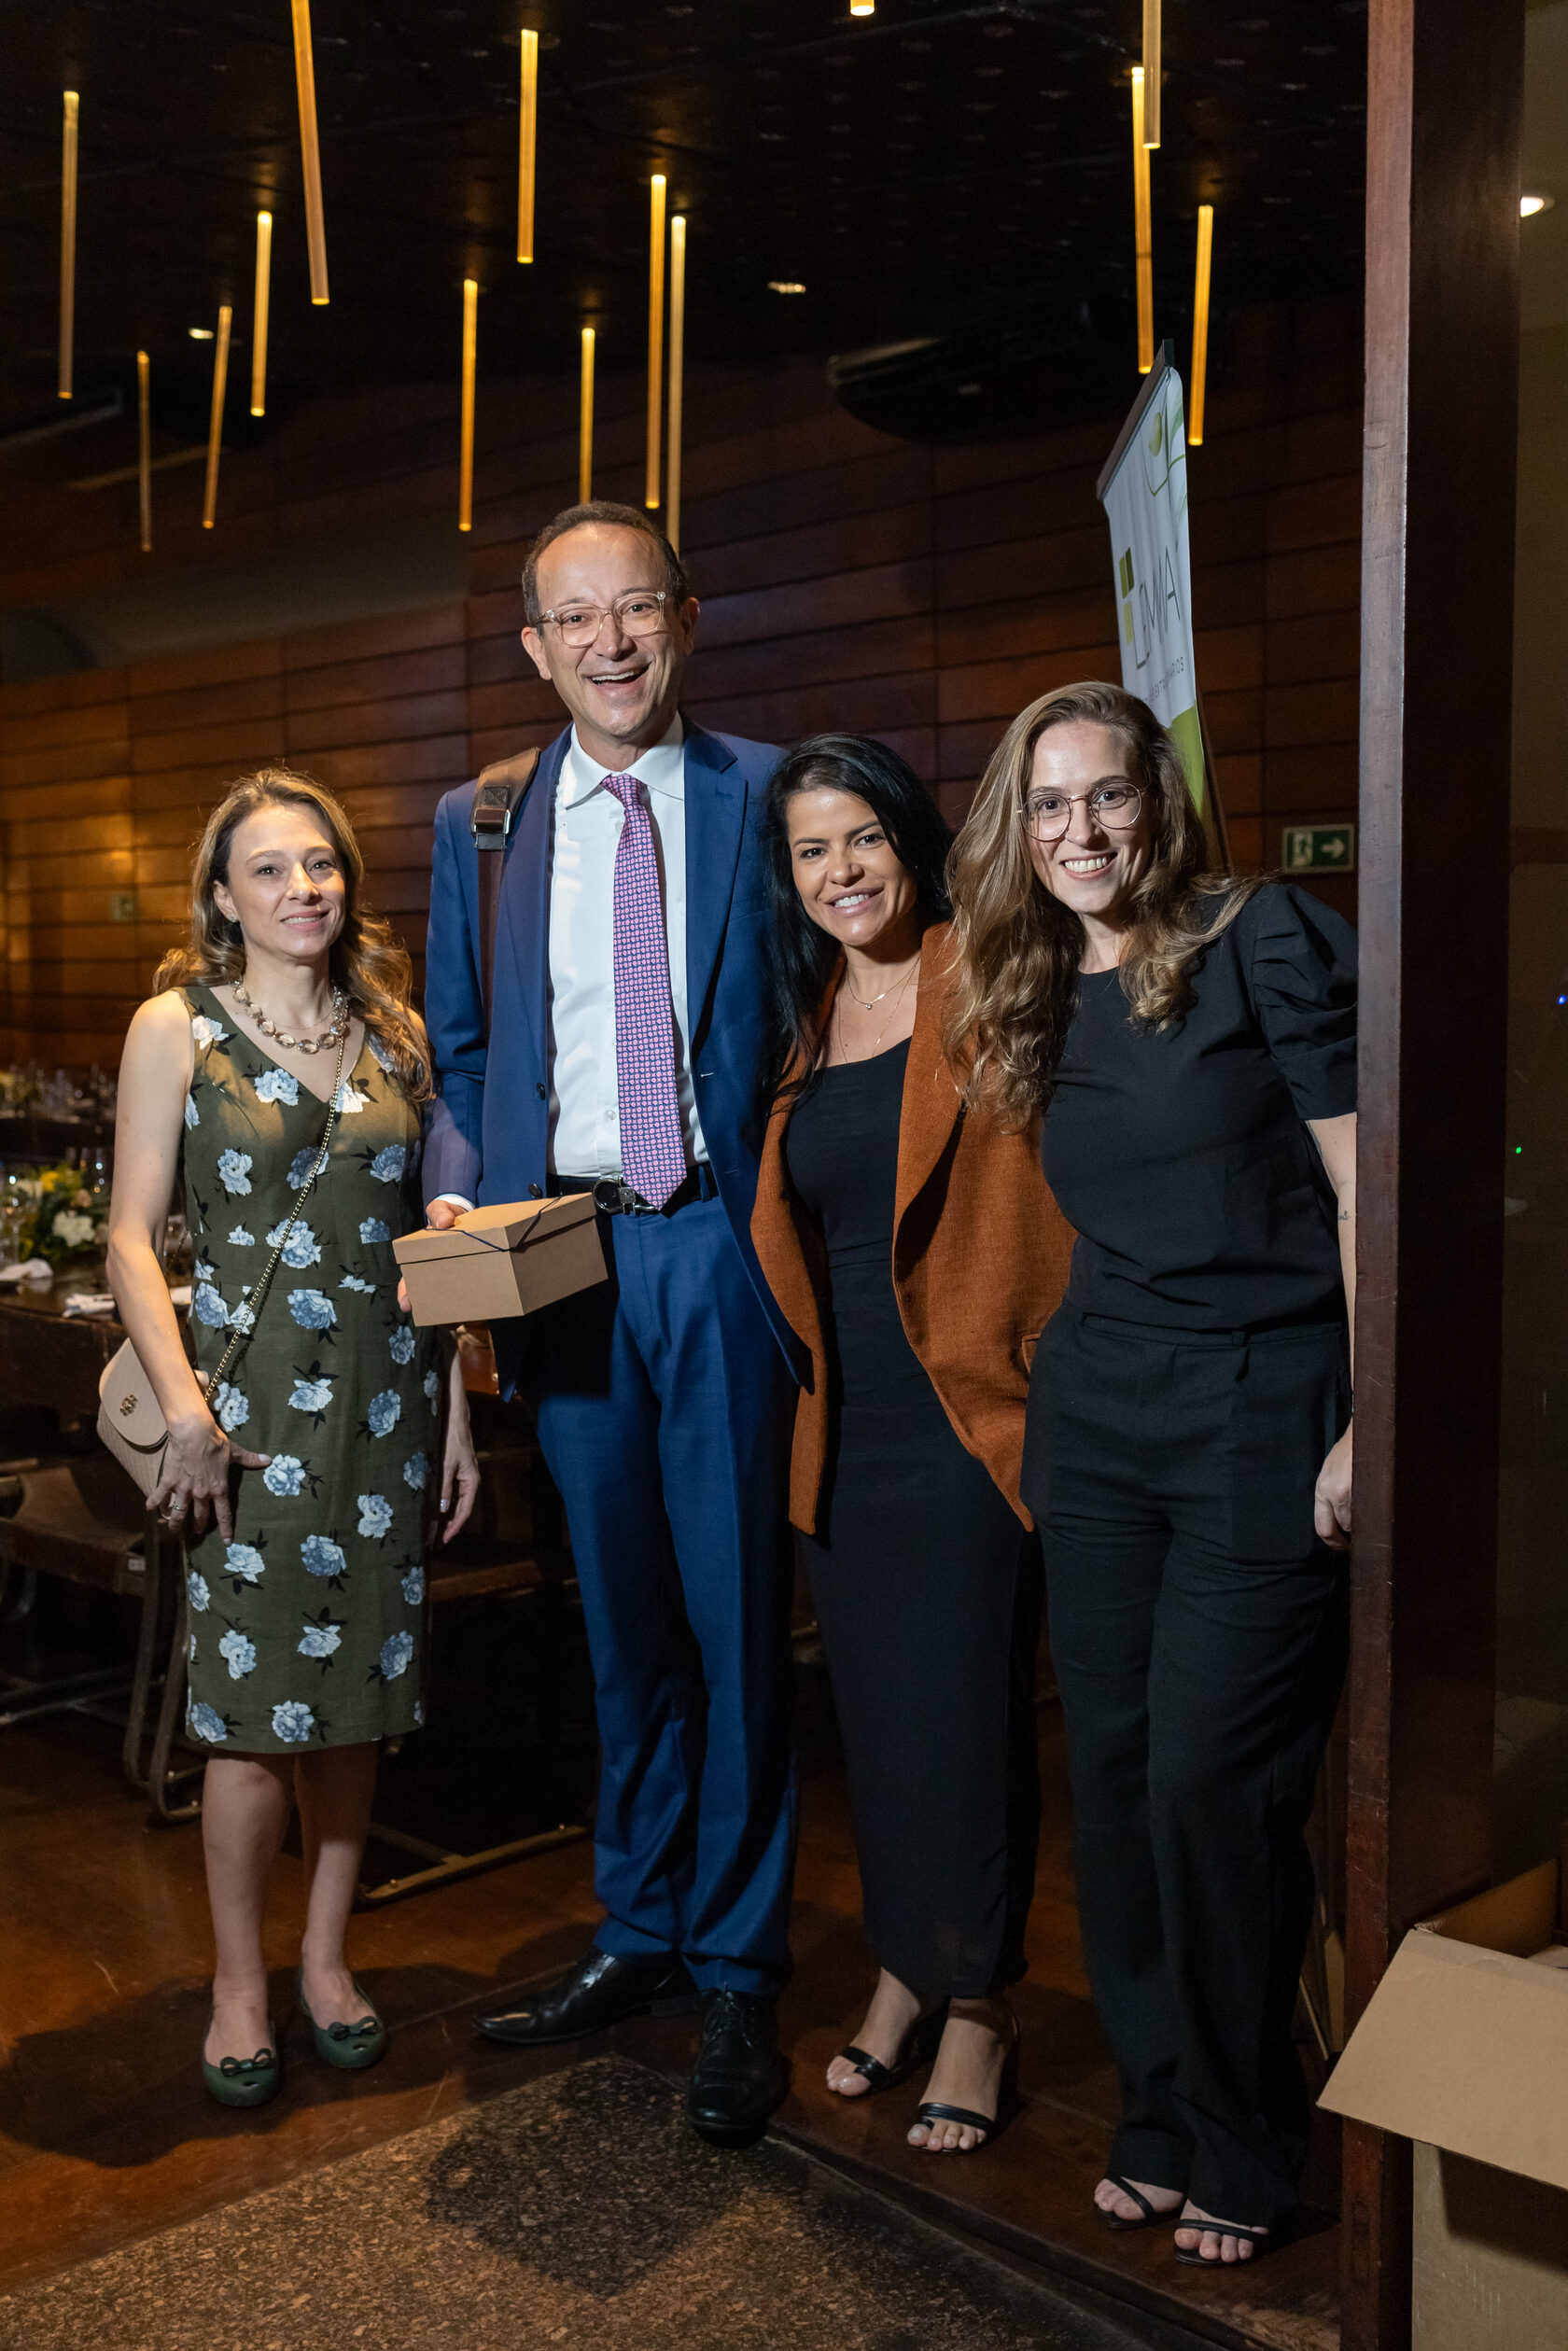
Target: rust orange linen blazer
980	1257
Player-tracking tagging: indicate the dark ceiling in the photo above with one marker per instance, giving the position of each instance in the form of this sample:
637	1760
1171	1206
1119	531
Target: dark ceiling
919	170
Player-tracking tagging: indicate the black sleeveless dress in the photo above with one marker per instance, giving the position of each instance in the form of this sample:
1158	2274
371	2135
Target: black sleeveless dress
926	1588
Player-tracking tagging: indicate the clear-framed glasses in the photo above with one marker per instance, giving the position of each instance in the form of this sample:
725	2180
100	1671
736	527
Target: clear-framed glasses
1116	806
640	612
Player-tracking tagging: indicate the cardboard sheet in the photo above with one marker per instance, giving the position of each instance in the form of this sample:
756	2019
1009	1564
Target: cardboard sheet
1467	2049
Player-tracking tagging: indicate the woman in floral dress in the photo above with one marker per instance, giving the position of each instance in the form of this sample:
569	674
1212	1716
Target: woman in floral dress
305	1581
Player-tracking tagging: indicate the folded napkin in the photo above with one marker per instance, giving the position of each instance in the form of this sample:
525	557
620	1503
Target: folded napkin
90	1302
33	1269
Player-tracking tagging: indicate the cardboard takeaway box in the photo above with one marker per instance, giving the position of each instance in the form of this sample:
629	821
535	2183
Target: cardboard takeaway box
1463	2048
503	1260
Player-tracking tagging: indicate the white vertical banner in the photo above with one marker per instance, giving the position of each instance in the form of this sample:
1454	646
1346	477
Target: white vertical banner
1144	490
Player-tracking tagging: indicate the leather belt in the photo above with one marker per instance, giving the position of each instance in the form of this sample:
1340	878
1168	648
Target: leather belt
614	1196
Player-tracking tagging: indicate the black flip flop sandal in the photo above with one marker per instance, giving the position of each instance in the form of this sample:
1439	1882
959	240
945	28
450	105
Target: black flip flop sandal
919	2048
1149	2216
934	2110
1261	2240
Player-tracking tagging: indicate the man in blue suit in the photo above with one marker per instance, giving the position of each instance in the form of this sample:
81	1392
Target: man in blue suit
623	1057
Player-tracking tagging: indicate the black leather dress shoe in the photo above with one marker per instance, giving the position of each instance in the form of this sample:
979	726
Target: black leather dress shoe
599	1991
739	2076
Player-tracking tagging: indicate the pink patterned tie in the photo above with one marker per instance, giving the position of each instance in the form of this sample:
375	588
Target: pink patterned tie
653	1154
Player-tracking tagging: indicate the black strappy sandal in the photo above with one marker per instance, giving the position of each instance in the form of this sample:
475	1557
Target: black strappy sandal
919	2049
1149	2216
936	2110
1261	2240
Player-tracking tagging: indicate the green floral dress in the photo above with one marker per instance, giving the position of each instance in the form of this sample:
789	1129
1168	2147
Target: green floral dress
307	1629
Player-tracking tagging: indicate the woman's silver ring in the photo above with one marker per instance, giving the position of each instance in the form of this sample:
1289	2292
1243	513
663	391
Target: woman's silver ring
176	1510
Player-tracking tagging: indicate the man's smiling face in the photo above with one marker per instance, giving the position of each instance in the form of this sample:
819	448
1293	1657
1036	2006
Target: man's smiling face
620	689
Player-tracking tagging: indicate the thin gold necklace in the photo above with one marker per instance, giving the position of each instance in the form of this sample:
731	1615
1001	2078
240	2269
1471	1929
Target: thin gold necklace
866	1004
332	1036
887	1023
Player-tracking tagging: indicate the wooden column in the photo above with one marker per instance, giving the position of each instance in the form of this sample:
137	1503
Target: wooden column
1438	579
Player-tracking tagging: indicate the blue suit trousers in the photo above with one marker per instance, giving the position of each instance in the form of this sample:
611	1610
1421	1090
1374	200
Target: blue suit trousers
661	1402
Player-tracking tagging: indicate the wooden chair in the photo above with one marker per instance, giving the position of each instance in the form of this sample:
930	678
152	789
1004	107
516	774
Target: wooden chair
83	1522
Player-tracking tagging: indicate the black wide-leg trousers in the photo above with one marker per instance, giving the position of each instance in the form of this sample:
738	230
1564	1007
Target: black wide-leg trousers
1199	1630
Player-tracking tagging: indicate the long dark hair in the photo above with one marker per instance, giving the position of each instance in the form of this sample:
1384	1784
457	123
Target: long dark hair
802	956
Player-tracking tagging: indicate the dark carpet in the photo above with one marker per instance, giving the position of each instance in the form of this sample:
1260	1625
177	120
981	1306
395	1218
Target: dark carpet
576	2210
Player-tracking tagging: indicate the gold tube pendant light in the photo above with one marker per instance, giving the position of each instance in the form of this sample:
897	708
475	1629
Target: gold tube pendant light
527	135
258	320
863	7
144	445
676	378
1143	235
68	247
655	331
470	352
309	150
214	430
1151	72
585	421
1201	325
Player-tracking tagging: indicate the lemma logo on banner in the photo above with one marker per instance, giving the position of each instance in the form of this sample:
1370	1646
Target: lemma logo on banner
1144	494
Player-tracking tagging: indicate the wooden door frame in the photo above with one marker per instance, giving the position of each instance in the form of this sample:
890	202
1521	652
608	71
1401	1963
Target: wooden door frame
1444	104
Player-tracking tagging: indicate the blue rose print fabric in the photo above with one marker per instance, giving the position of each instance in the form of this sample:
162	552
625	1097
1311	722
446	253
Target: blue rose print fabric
307	1629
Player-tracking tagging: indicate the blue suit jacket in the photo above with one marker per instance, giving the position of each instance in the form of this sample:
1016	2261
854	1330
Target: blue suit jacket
489	1124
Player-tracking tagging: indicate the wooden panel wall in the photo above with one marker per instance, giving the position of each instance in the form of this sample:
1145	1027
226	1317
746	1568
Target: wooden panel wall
848	580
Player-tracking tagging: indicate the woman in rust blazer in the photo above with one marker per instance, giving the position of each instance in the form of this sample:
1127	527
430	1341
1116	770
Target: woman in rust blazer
918	1254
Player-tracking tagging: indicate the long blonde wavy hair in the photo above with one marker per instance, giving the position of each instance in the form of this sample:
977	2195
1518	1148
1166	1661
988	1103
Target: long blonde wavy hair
367	963
1018	949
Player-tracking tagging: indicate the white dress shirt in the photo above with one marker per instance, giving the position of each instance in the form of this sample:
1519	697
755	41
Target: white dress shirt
586	831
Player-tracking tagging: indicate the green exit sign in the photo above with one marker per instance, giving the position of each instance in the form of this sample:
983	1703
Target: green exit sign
1319	848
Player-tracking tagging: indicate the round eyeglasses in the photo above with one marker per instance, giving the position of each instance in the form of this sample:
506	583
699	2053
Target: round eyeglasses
640	612
1116	806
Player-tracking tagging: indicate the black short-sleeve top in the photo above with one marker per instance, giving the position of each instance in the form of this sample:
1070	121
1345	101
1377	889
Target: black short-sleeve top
1180	1156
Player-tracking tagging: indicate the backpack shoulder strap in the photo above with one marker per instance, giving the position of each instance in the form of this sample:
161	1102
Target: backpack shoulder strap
496	797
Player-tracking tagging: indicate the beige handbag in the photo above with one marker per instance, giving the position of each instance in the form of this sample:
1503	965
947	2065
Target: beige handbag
131	1420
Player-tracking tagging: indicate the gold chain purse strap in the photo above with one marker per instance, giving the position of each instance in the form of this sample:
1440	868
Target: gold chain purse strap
246	1312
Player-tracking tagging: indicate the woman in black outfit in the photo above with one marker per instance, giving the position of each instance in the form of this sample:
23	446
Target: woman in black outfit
1188	1448
917	1254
